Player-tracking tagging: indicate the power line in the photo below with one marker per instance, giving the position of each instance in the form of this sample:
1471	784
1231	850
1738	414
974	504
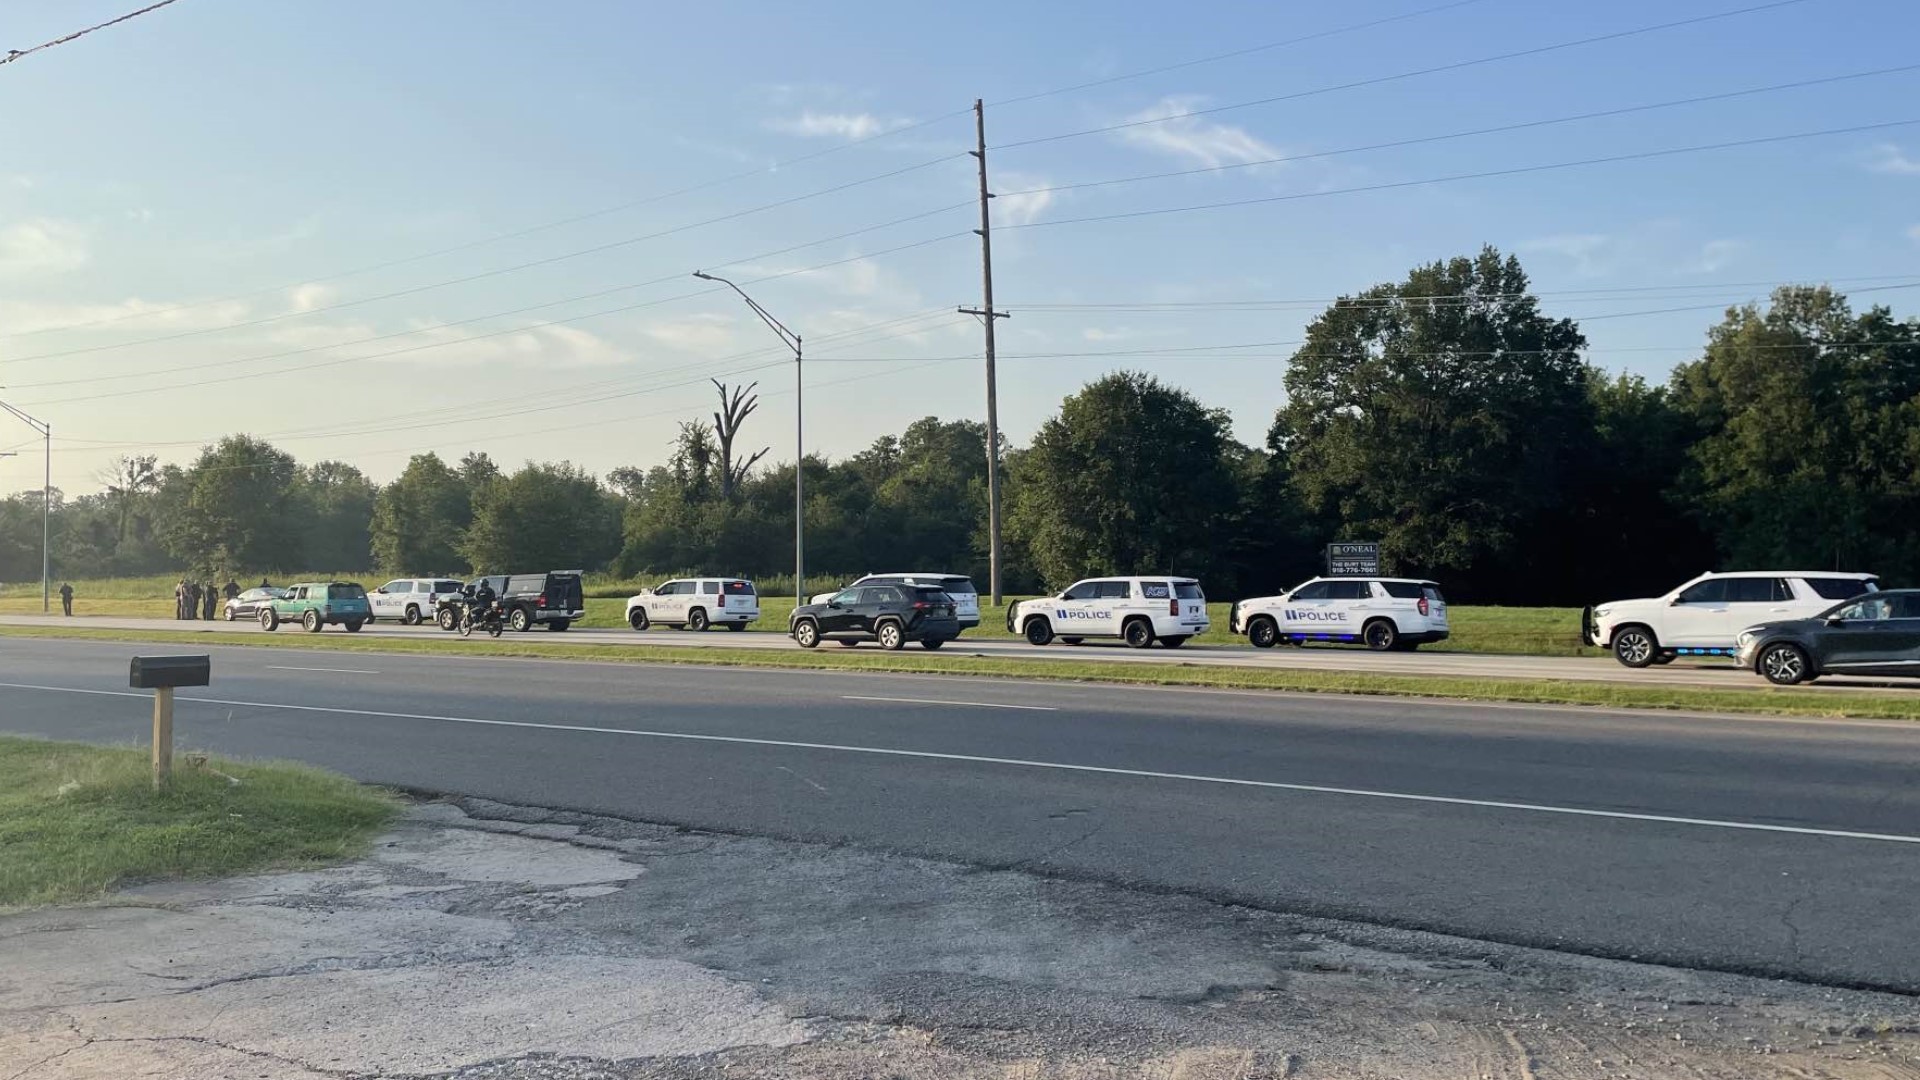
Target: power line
1414	74
1562	295
1520	170
1501	129
17	54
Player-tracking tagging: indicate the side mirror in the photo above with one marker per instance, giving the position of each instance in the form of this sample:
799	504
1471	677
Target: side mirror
646	592
1836	621
833	603
1677	601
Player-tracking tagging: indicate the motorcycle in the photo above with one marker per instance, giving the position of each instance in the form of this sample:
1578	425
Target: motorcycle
493	620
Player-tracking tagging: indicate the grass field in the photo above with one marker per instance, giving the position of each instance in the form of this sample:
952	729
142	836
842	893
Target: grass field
1521	631
1759	700
77	820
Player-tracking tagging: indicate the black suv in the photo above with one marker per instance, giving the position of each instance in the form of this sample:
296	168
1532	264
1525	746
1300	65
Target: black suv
553	599
890	614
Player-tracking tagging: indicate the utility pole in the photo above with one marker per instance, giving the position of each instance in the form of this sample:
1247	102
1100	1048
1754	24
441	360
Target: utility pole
792	341
46	504
987	315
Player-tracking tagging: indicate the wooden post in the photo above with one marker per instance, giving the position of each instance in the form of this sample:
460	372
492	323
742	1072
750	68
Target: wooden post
162	736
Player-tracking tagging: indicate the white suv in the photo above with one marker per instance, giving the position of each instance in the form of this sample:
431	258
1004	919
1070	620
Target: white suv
1704	617
411	600
966	598
695	604
1380	613
1137	610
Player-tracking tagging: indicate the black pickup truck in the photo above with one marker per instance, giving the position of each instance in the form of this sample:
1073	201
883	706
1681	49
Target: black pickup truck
553	599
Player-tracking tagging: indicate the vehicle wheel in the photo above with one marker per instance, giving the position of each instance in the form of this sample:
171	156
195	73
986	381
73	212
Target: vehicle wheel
932	642
520	620
353	627
310	622
1173	642
890	635
230	615
412	616
559	625
697	620
447	619
1635	646
1380	635
1264	633
466	627
269	619
807	633
494	628
1038	631
1784	664
736	627
1072	640
1138	633
637	618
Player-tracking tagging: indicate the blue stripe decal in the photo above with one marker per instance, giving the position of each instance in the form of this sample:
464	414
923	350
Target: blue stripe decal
1705	652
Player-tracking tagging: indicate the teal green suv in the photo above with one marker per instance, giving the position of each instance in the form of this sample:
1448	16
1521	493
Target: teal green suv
315	604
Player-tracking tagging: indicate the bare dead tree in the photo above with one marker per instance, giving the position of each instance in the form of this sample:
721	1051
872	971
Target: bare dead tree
736	404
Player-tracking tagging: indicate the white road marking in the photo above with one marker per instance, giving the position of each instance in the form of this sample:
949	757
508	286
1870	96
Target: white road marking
1058	766
333	670
935	701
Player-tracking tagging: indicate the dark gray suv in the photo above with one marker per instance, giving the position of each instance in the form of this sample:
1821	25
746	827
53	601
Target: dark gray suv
889	614
1874	634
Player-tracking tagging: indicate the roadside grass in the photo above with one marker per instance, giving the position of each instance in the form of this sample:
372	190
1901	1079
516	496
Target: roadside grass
77	820
1760	700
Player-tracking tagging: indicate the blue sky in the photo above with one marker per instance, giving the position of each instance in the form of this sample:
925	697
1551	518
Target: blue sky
200	185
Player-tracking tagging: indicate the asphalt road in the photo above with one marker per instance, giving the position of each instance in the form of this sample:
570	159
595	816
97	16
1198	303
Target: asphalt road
1770	846
1719	674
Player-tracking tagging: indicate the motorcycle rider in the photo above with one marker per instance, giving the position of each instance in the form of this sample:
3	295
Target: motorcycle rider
480	601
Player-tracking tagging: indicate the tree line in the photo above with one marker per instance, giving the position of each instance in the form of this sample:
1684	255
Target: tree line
1446	416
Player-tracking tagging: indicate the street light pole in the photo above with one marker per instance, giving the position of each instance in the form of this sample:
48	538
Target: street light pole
46	505
792	341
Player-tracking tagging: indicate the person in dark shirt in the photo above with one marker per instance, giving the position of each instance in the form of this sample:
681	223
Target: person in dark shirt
209	599
66	598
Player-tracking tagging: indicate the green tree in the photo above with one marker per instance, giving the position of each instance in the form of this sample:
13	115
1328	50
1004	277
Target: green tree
418	520
235	510
335	503
1440	416
1131	476
543	517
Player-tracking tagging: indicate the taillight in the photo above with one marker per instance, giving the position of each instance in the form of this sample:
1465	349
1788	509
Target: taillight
921	605
543	600
1424	609
1173	606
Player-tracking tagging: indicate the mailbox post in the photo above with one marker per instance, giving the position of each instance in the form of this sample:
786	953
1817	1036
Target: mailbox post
161	674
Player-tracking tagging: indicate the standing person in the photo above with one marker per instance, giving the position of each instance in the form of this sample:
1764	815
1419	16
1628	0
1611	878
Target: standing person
232	590
180	599
209	600
193	601
66	598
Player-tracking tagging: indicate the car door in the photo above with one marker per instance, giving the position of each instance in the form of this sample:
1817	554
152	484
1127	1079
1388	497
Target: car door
1697	617
1752	601
875	601
390	599
1875	635
841	613
1112	603
1307	609
1075	610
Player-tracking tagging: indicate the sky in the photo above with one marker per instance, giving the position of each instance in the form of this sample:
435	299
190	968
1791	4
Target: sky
366	229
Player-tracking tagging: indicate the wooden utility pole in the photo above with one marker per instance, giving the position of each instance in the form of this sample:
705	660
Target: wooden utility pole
987	316
162	736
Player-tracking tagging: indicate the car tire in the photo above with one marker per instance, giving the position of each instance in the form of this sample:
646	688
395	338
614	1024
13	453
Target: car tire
1071	640
446	619
637	618
1635	646
806	633
1173	641
231	615
1137	633
697	620
736	627
520	620
932	644
891	636
269	619
1037	631
353	626
1784	664
411	617
311	622
1380	635
1263	632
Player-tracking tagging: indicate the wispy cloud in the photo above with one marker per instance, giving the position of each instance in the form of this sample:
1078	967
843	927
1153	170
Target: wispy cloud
1890	158
1178	133
837	125
1913	234
1022	203
697	333
42	246
309	296
1095	333
1715	256
1591	254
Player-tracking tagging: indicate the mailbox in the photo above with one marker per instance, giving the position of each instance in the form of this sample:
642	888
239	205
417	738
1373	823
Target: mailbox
166	672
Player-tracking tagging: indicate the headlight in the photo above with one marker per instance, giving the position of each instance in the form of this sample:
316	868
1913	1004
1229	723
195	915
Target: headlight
1602	611
1746	638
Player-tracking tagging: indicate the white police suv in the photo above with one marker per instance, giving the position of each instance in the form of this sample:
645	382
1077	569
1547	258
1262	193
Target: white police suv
1704	617
1380	613
1137	610
695	604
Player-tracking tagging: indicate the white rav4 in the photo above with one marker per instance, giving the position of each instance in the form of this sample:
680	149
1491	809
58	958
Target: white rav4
1380	613
695	604
1137	610
1704	617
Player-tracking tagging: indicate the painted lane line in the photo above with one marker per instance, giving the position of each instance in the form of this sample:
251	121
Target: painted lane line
330	670
1057	766
963	704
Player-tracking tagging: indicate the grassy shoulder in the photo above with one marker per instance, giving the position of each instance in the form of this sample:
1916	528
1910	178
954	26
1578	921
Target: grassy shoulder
1761	699
76	820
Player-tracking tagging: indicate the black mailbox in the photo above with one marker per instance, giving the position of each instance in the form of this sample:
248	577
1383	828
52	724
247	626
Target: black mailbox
156	672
